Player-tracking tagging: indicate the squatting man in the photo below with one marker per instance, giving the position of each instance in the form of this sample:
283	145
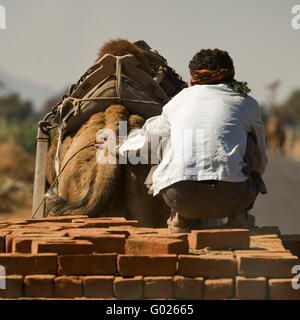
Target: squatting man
210	141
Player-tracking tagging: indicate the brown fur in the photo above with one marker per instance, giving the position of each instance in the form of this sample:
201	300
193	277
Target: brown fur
122	47
87	187
83	178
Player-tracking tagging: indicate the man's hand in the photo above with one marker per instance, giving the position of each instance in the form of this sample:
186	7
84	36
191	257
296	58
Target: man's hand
102	145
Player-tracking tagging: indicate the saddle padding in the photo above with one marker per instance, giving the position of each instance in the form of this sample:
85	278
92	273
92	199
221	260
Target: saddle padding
108	89
134	89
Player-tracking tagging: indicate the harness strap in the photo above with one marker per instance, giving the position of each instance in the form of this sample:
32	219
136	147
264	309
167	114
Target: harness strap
57	155
118	76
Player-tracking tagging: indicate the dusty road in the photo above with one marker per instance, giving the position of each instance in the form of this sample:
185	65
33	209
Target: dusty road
281	206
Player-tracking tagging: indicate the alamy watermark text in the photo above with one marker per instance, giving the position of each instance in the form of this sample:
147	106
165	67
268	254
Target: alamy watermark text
2	17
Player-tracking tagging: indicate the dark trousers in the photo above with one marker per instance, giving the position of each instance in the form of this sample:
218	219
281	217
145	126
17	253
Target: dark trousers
216	199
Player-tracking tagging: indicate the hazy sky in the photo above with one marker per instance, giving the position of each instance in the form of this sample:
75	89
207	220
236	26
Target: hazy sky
52	42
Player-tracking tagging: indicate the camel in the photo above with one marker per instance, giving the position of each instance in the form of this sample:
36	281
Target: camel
103	190
275	135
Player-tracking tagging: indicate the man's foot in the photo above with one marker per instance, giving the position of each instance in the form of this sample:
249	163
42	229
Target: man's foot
241	220
169	221
179	224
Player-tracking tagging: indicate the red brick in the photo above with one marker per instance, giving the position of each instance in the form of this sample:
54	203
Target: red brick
101	219
39	285
128	288
14	287
8	243
105	223
250	288
218	289
98	286
33	298
126	233
62	247
25	264
188	288
55	226
105	243
147	265
265	236
73	232
96	264
158	287
94	232
14	222
266	243
69	218
220	239
208	266
3	235
163	234
281	289
40	233
23	244
263	253
276	265
152	245
271	248
292	243
46	226
30	233
68	287
130	230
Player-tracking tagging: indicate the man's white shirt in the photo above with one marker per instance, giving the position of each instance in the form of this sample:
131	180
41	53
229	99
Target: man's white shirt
206	129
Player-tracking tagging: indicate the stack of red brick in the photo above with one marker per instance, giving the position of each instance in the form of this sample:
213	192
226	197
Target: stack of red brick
112	258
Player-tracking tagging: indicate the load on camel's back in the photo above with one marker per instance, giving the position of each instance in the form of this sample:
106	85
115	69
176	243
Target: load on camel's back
128	82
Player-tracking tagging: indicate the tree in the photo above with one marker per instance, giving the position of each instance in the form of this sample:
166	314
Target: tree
290	109
13	108
18	121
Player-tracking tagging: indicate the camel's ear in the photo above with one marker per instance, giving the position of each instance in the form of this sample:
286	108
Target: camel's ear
142	44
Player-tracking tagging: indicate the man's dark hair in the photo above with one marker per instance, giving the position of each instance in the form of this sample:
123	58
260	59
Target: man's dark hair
213	60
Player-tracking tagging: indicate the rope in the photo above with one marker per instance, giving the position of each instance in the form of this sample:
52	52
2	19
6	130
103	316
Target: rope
118	76
56	179
76	101
57	164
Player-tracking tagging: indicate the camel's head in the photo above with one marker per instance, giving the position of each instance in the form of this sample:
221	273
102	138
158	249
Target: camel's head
121	47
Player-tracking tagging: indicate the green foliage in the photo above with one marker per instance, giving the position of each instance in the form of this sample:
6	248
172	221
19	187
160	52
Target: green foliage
13	108
18	121
240	87
23	134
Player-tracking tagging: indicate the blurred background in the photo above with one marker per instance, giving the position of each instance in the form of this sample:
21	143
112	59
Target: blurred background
47	45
